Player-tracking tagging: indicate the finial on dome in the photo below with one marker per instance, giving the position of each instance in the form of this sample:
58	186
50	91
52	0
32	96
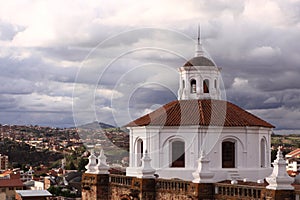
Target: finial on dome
199	36
199	50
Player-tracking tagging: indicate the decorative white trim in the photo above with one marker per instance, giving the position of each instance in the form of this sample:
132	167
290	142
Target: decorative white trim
203	174
146	171
102	167
92	163
279	179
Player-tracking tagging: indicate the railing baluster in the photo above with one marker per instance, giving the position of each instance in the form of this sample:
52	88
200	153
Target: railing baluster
240	191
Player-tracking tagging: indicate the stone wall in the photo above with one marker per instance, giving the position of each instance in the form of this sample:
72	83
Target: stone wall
172	189
95	186
120	192
119	187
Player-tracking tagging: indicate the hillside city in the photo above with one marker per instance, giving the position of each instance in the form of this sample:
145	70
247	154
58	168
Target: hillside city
36	157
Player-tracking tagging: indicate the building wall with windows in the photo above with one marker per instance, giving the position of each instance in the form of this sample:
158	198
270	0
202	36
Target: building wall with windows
8	188
3	162
233	152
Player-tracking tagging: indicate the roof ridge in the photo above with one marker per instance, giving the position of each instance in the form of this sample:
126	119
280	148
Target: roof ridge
201	111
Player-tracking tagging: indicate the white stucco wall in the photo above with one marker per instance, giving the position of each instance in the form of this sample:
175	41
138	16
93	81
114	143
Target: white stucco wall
247	150
199	73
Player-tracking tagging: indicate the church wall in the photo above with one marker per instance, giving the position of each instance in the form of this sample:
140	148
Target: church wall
188	135
254	157
236	135
265	134
135	134
247	153
252	149
154	148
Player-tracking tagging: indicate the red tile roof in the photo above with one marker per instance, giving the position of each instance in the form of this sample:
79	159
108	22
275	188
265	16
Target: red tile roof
11	183
295	153
199	112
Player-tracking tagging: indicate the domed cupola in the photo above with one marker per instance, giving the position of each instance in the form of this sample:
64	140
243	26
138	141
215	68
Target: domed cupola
199	61
199	77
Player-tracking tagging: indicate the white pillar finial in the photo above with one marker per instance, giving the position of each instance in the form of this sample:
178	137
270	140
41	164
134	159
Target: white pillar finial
146	171
279	179
102	167
92	161
203	174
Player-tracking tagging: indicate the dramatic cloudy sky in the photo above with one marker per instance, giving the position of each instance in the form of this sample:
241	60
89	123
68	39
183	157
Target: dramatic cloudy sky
71	62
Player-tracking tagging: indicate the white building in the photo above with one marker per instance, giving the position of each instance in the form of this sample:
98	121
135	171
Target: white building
293	160
27	176
200	137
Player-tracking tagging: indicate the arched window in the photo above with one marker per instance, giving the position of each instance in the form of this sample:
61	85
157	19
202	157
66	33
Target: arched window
215	83
263	153
139	152
177	154
228	154
193	86
206	86
183	84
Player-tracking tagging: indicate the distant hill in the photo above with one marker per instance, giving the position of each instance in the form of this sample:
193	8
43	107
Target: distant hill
96	125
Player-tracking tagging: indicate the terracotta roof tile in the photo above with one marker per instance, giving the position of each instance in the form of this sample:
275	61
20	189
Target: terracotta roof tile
199	112
11	183
294	153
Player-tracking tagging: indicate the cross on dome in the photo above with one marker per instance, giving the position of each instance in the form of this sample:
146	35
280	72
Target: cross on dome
199	49
199	76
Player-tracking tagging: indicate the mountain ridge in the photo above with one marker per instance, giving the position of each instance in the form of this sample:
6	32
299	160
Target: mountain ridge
96	125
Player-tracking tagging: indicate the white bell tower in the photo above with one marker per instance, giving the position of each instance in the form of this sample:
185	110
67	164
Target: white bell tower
199	77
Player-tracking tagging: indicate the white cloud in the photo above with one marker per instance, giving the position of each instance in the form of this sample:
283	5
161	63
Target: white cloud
37	102
151	109
108	94
264	52
240	83
271	100
281	117
258	10
106	109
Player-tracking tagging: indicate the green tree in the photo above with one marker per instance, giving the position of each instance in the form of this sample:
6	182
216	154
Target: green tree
82	163
273	155
70	166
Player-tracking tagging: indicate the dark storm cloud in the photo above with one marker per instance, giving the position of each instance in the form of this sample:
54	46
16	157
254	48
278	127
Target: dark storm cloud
32	69
144	98
259	56
16	87
267	58
44	118
7	102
